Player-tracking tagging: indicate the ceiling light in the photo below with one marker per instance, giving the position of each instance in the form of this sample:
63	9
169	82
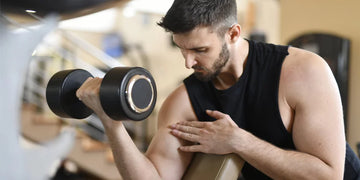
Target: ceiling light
30	11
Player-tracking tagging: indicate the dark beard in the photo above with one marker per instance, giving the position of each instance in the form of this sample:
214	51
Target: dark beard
216	68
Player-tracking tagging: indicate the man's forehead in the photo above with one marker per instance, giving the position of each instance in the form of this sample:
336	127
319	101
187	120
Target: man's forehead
200	30
197	37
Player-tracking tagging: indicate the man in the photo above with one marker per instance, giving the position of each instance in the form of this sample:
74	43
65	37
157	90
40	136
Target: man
276	107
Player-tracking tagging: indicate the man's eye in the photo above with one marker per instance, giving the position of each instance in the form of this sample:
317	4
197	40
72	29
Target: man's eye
200	50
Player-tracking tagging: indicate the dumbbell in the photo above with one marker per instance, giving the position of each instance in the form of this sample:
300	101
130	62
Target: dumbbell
125	93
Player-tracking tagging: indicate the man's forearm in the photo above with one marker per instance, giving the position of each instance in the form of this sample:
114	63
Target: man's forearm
284	164
131	163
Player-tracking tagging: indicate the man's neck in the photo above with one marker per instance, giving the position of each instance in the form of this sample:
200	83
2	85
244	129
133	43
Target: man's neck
235	67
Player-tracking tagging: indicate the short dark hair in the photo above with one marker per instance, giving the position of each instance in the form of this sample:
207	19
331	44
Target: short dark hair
186	15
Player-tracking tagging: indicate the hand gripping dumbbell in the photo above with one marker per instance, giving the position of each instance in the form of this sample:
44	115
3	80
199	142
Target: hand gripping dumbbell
125	93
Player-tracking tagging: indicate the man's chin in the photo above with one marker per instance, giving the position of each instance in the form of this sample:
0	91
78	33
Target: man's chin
202	77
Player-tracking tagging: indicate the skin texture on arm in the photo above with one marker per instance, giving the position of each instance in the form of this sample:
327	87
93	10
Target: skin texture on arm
310	90
163	160
163	151
131	163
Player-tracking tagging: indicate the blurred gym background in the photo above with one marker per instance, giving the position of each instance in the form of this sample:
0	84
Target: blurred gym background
39	38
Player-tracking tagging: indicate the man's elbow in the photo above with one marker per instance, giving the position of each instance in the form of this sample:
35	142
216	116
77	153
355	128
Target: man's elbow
328	173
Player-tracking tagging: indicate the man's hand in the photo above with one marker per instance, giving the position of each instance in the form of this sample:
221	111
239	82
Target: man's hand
88	93
218	137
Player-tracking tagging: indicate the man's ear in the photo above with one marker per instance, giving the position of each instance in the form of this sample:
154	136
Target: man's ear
234	32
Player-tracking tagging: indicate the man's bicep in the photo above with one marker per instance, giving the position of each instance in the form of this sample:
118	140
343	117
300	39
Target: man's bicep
318	124
163	151
170	162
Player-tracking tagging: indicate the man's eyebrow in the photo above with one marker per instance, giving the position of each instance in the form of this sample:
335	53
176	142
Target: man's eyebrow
194	48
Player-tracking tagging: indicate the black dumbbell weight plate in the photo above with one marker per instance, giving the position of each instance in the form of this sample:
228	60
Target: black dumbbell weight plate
61	94
128	93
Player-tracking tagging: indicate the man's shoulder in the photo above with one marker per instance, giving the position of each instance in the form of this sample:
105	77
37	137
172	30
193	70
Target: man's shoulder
304	72
178	104
303	61
177	95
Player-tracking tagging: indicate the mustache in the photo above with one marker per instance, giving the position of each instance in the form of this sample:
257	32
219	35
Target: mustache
197	67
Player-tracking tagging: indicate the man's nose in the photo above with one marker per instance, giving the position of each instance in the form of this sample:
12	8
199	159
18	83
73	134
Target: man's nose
189	60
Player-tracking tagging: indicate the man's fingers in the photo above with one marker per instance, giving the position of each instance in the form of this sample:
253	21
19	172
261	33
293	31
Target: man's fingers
196	124
79	91
193	148
186	129
186	136
90	85
215	114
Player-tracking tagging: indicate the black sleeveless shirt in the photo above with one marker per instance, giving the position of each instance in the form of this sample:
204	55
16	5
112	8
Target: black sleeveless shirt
252	102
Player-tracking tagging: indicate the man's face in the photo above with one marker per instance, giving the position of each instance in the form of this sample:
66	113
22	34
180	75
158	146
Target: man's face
220	62
203	51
